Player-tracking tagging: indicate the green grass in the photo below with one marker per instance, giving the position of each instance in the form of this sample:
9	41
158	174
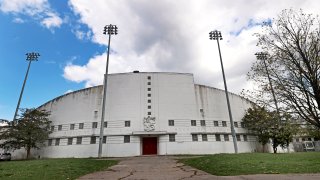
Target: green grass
51	168
256	163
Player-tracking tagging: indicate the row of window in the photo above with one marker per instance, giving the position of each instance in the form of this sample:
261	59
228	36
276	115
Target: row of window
94	125
128	124
126	139
149	95
203	123
218	137
78	140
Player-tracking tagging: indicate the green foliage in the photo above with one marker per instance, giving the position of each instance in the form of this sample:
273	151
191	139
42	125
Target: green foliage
270	125
259	122
29	131
256	163
312	131
52	168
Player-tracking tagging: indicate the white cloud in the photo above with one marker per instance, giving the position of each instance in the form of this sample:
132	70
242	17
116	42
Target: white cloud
18	20
37	9
69	91
167	35
53	20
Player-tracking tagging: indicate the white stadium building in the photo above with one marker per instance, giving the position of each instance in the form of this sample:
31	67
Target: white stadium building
146	113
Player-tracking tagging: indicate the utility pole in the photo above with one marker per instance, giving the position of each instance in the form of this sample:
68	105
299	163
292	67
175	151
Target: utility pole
216	35
110	30
30	57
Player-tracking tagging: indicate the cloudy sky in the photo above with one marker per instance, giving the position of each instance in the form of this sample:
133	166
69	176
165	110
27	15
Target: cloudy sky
154	36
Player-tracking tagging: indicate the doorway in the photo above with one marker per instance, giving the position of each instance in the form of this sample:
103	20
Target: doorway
149	145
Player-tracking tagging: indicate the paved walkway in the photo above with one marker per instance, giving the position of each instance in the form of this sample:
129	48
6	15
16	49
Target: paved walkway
167	168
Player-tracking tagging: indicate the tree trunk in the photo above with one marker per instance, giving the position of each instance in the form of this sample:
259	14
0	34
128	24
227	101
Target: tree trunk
28	152
275	150
263	147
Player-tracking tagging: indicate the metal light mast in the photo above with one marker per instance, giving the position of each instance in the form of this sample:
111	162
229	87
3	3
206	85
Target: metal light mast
216	35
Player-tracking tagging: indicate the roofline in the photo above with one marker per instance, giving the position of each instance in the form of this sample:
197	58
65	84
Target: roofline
224	91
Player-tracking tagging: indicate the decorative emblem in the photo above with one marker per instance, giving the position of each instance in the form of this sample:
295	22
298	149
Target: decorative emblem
149	123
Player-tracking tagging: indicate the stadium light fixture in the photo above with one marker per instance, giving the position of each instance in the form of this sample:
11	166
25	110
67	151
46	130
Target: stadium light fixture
264	56
110	30
30	57
216	35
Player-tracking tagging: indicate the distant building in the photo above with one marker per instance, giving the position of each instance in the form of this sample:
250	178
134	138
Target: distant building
146	113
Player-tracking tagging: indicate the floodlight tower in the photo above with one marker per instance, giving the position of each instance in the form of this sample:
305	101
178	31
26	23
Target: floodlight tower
30	57
216	35
264	56
110	30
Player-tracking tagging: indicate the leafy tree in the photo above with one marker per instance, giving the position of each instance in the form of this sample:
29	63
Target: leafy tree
29	131
259	122
270	125
292	42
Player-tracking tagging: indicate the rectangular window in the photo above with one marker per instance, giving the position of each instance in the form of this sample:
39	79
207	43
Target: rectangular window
149	89
126	123
218	138
104	140
49	142
149	95
297	140
149	107
242	124
238	137
203	122
57	142
149	113
94	124
235	124
171	122
245	138
79	140
93	140
149	83
194	137
149	77
204	137
149	100
224	123
193	123
201	110
59	127
95	114
126	139
216	123
80	125
172	137
105	124
70	141
226	137
71	126
52	128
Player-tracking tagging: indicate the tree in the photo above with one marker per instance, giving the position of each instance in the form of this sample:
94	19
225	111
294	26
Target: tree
29	131
270	125
259	122
292	41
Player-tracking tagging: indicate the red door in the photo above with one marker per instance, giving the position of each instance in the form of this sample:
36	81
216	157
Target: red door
149	145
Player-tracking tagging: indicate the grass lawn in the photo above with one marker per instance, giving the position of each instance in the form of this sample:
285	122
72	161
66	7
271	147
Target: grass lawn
256	163
51	168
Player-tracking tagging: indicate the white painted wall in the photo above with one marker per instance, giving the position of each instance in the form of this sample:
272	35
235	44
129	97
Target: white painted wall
173	96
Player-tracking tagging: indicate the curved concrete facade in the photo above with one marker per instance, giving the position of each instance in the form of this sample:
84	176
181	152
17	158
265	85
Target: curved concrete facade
184	118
